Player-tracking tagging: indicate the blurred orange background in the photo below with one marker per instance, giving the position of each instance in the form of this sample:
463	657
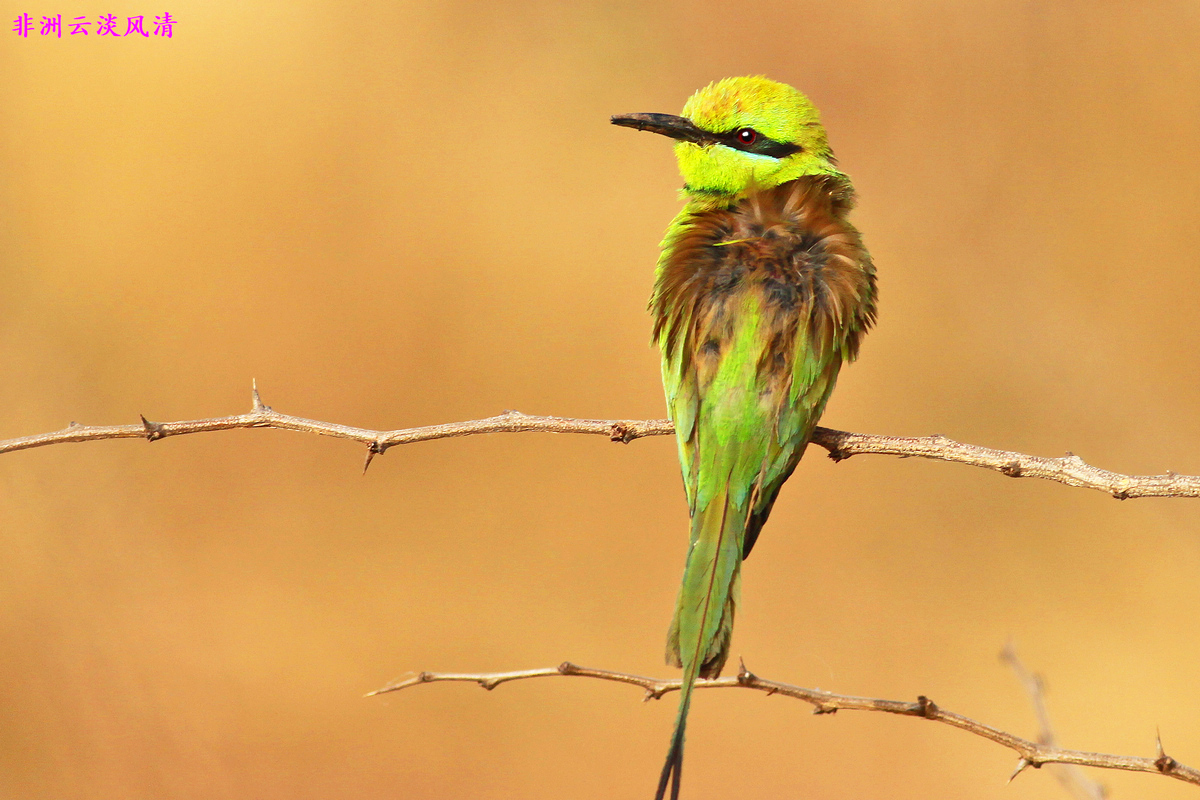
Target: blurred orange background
394	214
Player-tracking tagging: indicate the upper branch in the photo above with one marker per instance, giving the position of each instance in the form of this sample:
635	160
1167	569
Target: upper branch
1070	469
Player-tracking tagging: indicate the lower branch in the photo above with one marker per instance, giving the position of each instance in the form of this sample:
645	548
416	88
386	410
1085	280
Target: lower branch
1031	754
1070	469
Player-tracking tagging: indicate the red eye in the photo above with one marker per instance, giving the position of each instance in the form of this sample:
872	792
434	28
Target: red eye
747	136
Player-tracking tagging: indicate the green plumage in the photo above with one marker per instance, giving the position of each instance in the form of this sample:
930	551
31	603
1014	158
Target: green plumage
762	291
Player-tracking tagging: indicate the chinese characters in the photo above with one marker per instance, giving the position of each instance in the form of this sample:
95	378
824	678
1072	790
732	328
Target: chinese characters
103	25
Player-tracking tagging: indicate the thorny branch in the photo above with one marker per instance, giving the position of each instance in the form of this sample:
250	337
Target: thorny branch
1031	754
1069	469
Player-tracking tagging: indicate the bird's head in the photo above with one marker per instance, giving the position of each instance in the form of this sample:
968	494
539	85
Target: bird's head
742	133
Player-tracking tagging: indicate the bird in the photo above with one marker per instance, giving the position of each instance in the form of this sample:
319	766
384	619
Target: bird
762	291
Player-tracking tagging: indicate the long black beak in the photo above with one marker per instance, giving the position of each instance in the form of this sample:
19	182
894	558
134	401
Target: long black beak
667	124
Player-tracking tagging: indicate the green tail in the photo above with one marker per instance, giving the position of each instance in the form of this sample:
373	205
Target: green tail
700	633
674	766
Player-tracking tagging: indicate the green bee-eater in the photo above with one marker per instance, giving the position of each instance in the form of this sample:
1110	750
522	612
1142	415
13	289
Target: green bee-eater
762	290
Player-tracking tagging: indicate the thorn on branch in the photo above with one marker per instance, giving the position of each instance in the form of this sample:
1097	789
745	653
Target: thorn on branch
375	448
1022	765
926	708
1164	763
1120	494
258	403
154	430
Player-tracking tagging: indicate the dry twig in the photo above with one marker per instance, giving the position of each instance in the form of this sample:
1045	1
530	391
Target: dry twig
1070	469
1031	754
1072	778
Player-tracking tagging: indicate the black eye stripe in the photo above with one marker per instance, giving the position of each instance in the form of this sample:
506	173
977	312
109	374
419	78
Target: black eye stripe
762	145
